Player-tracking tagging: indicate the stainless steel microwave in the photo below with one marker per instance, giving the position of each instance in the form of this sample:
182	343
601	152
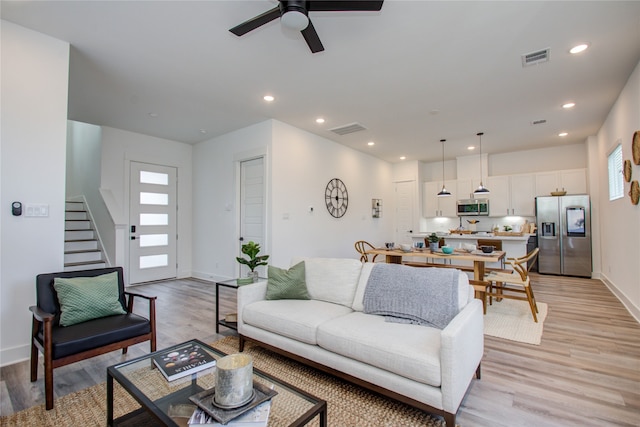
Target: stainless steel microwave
473	207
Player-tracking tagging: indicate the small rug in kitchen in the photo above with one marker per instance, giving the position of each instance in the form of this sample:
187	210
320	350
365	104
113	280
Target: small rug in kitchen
512	320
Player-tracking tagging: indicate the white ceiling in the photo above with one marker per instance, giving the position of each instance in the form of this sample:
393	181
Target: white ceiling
411	74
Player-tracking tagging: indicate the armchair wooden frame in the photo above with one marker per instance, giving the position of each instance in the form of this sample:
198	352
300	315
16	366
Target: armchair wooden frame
47	334
518	281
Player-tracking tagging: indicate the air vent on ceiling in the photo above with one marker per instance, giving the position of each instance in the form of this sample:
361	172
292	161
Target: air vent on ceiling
350	128
539	122
534	58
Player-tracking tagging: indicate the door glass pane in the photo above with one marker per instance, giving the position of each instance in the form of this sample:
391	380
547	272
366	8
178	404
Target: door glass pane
147	177
154	219
147	240
154	198
150	261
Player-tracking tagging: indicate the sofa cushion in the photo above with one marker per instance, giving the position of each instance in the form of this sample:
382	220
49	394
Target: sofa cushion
296	319
332	279
287	284
465	290
410	351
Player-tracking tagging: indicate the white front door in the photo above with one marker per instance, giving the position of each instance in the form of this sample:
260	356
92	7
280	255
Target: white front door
152	222
252	211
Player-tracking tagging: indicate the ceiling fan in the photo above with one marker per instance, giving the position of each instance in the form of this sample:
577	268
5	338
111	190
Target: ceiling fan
294	14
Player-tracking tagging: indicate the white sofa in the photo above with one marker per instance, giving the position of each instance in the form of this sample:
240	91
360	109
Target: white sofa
423	366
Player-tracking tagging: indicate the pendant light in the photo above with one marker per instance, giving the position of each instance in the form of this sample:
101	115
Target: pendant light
481	190
443	192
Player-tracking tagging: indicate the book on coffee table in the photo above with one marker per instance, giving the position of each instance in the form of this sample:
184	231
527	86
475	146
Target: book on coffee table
256	417
184	360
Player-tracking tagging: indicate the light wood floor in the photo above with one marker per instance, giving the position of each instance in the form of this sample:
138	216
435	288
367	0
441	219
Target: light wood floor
586	372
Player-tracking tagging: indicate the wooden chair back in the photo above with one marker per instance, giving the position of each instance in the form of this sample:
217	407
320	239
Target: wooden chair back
362	246
523	264
497	244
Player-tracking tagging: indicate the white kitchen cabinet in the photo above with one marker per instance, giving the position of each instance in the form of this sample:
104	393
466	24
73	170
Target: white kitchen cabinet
466	187
434	206
573	181
511	195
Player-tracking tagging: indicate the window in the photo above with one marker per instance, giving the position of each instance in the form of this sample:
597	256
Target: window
616	185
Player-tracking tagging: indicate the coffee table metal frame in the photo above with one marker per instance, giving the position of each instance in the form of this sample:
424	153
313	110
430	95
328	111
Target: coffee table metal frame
318	408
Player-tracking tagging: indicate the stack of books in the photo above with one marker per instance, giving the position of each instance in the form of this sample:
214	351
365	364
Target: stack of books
256	417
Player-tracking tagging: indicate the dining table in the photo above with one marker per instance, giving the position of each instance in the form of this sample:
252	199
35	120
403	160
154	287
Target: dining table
479	258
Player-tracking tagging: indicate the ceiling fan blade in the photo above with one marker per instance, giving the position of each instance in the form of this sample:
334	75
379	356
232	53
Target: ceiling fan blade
258	21
344	5
312	39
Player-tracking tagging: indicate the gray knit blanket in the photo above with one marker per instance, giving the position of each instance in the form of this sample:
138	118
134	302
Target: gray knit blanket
423	296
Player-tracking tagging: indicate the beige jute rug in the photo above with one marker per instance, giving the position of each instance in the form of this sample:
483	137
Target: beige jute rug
512	320
348	405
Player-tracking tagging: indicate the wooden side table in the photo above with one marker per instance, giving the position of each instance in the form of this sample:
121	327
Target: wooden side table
480	288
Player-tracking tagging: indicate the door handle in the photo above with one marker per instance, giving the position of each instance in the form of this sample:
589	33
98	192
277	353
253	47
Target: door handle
133	228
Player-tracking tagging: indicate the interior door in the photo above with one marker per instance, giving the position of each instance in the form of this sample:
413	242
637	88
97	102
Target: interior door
152	222
405	207
252	207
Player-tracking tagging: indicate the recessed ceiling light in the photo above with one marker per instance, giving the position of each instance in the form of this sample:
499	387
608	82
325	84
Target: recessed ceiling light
403	157
203	131
371	143
154	115
319	120
471	147
569	105
268	98
563	134
579	48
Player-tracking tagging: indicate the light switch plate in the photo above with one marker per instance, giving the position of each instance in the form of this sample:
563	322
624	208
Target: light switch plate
36	210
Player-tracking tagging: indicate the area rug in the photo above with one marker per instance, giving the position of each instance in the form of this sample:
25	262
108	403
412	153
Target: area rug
512	320
348	405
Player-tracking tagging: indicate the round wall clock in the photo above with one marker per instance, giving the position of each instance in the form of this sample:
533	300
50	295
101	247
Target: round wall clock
336	198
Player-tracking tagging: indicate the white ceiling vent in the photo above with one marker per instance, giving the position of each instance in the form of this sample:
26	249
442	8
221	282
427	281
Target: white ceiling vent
536	57
350	128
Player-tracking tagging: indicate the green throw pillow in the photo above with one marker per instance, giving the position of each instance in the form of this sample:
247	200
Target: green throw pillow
86	298
287	284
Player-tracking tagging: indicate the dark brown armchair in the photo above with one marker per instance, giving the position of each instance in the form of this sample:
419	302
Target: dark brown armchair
62	345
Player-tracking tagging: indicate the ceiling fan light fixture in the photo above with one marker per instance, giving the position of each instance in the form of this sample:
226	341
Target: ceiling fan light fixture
295	20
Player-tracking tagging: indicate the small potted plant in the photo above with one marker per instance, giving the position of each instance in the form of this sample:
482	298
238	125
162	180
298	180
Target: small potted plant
434	241
252	250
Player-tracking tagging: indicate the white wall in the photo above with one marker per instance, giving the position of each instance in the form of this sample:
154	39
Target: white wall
215	215
619	219
35	72
120	148
302	165
299	165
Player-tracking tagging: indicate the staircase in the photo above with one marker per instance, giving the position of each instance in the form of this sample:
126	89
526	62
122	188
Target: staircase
82	249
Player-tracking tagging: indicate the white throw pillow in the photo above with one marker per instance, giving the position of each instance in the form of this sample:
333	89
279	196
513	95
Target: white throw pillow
332	279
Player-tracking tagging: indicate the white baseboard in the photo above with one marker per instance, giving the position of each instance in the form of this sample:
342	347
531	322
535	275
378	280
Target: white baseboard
631	308
13	355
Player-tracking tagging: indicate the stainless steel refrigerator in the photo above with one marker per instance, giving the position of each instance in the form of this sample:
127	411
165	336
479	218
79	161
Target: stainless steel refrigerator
564	235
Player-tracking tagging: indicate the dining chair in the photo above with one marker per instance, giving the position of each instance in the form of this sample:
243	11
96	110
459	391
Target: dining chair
362	246
513	285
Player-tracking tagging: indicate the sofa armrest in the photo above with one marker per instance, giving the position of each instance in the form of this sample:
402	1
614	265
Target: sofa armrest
462	348
248	294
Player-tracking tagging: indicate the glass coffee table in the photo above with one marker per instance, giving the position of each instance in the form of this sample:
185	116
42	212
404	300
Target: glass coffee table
163	401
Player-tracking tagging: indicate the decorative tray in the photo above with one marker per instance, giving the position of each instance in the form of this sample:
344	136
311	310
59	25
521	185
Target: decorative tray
204	400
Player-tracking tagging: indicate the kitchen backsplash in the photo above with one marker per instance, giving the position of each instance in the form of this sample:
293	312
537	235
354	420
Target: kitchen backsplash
483	224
